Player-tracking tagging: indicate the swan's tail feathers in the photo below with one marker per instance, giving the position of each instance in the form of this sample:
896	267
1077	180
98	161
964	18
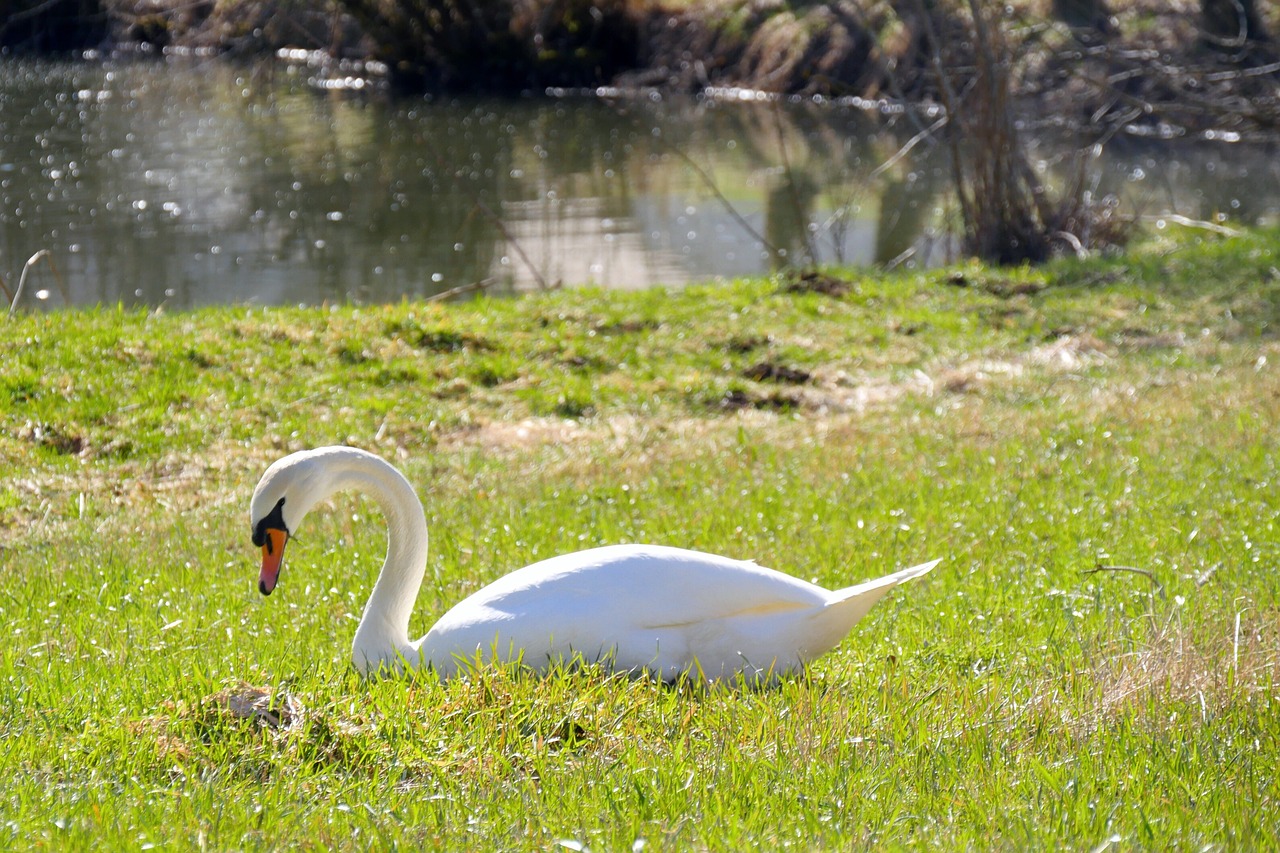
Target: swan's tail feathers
847	606
883	584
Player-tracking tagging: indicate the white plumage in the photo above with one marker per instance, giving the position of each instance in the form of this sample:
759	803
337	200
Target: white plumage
649	609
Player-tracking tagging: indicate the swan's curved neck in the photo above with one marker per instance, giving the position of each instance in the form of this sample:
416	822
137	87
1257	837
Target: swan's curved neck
383	634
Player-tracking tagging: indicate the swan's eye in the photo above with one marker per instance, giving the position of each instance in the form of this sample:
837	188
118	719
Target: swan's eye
273	520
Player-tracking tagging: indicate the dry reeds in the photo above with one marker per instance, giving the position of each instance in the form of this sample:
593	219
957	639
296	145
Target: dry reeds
1008	214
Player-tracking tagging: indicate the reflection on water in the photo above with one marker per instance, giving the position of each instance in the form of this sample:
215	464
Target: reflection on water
189	184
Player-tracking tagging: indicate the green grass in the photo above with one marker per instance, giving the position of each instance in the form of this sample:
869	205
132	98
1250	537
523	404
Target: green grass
1026	425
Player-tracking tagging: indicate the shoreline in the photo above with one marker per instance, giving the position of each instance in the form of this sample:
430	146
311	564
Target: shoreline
1167	77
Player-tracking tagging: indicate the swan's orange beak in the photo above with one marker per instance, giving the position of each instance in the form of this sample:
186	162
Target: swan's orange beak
272	559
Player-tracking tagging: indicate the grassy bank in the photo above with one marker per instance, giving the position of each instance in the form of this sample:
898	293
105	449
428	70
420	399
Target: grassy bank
1027	426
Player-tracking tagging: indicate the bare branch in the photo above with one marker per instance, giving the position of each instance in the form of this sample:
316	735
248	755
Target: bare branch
1131	570
22	279
710	183
446	295
906	149
515	244
1187	222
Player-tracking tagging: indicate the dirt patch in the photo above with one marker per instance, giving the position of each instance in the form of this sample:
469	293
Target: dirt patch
746	343
1004	288
62	439
814	281
625	327
772	371
529	432
842	392
737	399
1145	339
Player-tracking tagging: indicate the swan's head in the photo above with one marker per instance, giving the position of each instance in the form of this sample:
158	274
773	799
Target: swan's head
285	494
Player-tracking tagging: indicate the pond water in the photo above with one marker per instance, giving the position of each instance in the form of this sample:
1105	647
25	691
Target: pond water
192	182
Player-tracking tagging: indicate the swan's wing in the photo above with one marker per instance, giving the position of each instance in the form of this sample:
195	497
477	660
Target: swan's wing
647	607
647	585
626	600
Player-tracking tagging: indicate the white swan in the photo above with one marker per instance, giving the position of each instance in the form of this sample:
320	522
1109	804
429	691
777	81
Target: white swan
648	609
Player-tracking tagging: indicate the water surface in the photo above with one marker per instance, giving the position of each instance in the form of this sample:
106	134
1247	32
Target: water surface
191	182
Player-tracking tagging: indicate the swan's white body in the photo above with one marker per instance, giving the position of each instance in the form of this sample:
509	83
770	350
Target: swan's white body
664	611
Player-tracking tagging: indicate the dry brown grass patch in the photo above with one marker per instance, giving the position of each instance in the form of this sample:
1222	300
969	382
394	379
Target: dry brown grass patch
1230	664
